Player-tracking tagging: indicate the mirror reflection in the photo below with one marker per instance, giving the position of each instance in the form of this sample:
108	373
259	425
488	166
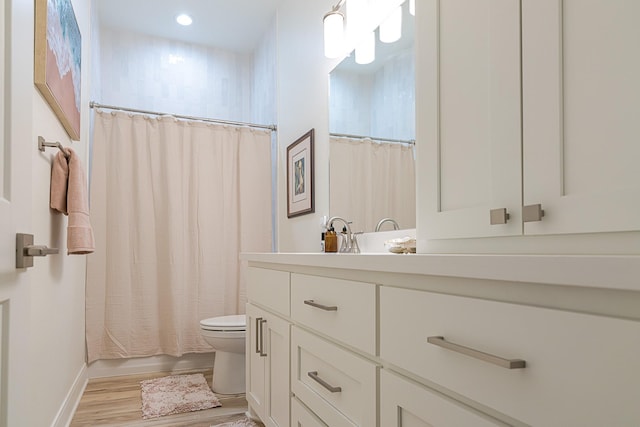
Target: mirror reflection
372	135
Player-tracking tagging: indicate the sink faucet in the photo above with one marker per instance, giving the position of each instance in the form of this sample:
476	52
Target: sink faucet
351	245
383	220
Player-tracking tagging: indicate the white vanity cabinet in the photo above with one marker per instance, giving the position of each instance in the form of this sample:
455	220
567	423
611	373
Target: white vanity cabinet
377	340
268	346
522	104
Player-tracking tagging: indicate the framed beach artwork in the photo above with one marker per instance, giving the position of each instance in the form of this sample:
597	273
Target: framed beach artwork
300	176
58	48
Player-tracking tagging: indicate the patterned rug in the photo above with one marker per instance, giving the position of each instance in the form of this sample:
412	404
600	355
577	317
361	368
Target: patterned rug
245	422
176	394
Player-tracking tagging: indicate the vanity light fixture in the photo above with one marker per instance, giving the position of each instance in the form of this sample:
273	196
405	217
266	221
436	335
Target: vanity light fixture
184	19
366	50
391	27
334	32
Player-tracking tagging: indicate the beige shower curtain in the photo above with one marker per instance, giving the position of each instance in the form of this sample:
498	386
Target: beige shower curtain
371	180
173	203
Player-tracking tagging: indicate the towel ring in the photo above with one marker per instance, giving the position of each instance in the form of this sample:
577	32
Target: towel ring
42	144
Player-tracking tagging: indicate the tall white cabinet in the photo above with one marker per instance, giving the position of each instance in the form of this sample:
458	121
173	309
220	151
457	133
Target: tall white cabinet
527	108
581	114
468	118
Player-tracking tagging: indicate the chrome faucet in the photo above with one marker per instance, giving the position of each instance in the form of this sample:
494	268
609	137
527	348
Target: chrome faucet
383	220
350	245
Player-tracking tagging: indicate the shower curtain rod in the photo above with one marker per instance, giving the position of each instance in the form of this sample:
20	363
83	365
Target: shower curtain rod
273	128
402	141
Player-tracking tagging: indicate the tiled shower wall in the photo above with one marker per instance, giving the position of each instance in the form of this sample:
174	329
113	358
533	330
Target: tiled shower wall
151	73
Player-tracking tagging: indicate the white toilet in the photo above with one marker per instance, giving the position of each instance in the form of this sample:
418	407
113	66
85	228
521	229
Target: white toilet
226	335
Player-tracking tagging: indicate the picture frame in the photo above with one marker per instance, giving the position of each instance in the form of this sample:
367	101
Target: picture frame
300	177
57	61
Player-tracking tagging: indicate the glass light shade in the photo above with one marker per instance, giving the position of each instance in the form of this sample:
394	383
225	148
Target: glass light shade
412	7
391	27
366	50
333	34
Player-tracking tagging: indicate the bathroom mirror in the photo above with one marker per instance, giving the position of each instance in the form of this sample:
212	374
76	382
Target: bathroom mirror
372	130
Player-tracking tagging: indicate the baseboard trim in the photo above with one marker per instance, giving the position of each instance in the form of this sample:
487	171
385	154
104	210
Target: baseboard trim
143	365
67	410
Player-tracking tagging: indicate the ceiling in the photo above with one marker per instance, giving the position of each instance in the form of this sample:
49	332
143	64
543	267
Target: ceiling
236	25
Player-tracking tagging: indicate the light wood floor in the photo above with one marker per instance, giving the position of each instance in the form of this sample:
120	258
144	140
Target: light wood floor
117	402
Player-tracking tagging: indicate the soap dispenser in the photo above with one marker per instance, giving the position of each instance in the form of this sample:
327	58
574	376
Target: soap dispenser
331	240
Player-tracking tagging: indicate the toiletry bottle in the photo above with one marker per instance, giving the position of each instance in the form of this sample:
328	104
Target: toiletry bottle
331	241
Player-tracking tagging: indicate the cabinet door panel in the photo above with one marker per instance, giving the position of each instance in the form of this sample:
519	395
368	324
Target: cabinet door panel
469	117
267	367
255	364
581	117
277	360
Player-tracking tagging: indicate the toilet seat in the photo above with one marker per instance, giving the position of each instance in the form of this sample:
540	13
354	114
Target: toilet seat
234	323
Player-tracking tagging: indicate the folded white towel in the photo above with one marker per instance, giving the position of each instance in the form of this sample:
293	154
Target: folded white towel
69	196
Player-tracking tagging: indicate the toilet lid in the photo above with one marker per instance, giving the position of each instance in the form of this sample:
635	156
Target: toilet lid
236	322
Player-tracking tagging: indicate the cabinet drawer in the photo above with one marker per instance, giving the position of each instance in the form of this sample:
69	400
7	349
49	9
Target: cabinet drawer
302	417
580	369
269	288
346	311
343	392
404	404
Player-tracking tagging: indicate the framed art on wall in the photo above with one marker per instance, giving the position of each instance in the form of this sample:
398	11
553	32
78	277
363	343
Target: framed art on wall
58	52
300	176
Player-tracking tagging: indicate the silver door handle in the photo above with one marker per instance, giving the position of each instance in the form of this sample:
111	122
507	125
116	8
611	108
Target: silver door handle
262	352
490	358
39	250
258	320
314	376
26	250
321	306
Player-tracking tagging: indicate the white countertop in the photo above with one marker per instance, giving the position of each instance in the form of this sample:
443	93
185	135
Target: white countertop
608	272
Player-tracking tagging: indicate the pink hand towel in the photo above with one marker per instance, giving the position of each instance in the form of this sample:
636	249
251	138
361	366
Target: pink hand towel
69	196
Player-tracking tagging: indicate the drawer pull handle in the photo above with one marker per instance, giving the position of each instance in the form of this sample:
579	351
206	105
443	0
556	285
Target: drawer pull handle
320	306
504	363
314	376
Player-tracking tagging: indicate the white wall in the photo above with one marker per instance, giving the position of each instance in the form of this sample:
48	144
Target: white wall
303	88
52	358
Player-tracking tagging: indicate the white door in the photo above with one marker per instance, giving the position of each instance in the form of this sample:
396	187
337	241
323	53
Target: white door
15	197
469	123
581	62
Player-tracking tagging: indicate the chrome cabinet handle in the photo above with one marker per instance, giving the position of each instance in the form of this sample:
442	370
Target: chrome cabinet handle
262	352
490	358
321	306
258	320
314	376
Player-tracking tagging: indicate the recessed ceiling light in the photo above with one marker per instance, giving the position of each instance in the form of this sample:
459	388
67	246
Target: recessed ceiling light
184	19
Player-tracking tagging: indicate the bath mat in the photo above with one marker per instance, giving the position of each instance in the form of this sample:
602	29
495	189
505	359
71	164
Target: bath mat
176	394
245	422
